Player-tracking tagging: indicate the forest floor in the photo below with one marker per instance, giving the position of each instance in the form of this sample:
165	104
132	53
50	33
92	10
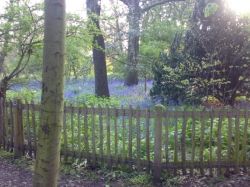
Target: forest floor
17	173
12	175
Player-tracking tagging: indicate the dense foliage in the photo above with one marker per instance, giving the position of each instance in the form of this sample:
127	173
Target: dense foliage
201	49
211	60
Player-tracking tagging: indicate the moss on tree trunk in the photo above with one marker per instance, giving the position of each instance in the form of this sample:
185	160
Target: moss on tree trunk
48	150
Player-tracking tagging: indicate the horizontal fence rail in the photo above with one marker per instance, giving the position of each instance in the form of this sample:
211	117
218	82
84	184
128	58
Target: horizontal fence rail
155	140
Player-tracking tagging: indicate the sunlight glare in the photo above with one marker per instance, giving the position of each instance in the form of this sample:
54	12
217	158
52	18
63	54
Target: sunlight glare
75	6
239	6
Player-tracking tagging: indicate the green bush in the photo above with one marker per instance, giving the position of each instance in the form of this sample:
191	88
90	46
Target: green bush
207	60
95	101
23	94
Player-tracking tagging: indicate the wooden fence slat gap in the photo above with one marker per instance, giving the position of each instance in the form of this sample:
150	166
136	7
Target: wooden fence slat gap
182	140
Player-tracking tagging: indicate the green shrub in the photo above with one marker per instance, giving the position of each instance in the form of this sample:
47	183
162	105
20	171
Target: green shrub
23	94
95	101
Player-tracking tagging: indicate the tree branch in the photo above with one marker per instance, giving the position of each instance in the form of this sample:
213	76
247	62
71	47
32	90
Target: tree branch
15	73
125	2
156	3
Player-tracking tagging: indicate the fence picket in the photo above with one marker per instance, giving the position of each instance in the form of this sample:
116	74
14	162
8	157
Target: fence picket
101	133
229	139
237	141
148	139
116	134
122	138
202	143
6	129
28	128
219	145
33	119
65	137
193	144
72	124
123	135
18	130
175	142
1	122
157	144
166	125
12	126
5	126
108	138
79	133
244	143
183	143
211	141
130	132
85	134
93	136
138	139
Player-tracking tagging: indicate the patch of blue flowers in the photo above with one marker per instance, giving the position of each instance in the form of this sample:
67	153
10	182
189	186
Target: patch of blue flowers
74	89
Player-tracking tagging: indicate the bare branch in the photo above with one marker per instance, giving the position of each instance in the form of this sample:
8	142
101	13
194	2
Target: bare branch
125	2
9	77
14	74
25	50
156	3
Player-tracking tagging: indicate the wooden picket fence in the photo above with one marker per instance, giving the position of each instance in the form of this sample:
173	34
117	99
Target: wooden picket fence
155	140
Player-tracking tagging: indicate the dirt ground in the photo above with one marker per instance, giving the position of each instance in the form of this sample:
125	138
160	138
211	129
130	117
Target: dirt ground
12	175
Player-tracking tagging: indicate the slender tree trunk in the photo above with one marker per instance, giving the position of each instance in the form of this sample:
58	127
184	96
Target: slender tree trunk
118	34
48	153
101	79
99	57
2	58
1	122
3	79
134	15
3	88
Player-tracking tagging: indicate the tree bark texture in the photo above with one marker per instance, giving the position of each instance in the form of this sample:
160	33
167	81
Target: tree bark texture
99	57
2	58
1	122
3	88
48	153
134	16
135	12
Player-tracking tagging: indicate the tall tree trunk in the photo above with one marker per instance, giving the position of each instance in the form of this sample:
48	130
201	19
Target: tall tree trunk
118	34
99	57
3	89
136	9
1	122
2	58
48	153
134	15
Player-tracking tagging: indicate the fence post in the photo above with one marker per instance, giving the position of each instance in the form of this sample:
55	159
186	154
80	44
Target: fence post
158	143
1	122
18	130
